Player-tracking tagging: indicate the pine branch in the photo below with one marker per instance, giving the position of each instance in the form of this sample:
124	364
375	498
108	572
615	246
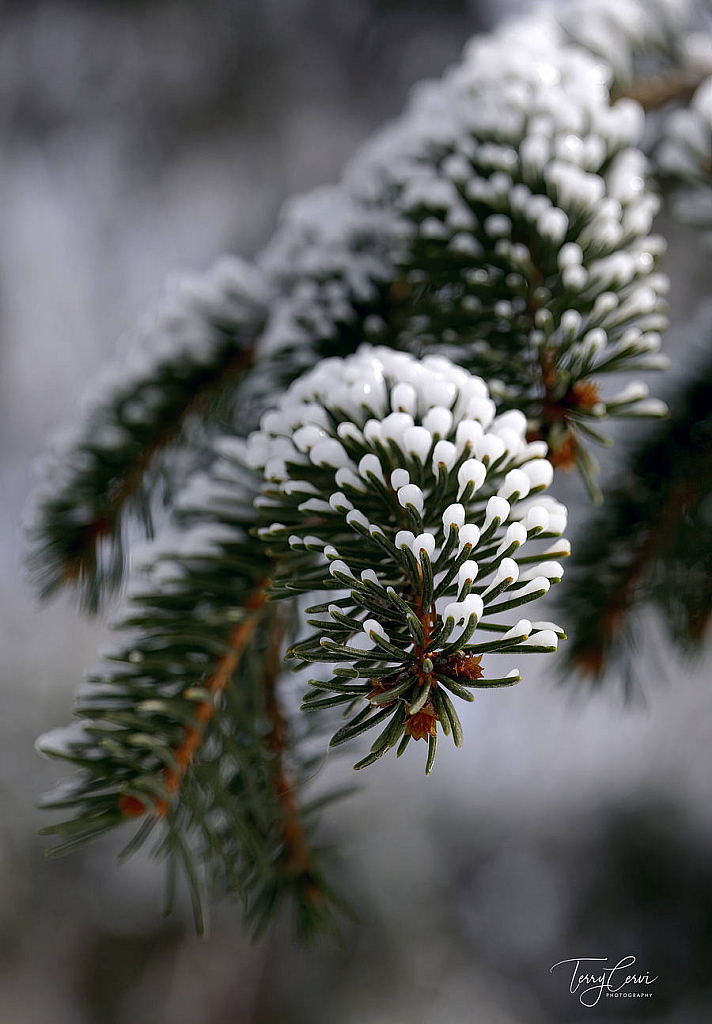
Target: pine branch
254	836
182	728
471	230
404	249
652	49
400	625
314	901
446	235
202	342
651	543
298	853
215	684
147	707
503	223
683	157
144	720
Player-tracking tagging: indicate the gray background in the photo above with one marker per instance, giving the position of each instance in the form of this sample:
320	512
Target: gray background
137	138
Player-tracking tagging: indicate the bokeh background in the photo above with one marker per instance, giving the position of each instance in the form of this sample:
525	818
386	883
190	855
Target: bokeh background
141	137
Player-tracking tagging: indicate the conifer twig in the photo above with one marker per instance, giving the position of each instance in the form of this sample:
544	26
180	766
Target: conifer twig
203	338
443	321
112	503
218	681
650	542
298	855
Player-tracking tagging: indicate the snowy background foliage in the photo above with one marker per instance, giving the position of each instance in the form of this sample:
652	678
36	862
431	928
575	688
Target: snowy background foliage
144	137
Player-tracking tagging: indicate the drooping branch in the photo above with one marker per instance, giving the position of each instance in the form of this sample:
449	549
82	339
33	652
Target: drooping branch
202	344
650	544
495	250
189	745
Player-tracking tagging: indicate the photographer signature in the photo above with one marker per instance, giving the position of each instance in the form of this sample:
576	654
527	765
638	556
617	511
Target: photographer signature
609	980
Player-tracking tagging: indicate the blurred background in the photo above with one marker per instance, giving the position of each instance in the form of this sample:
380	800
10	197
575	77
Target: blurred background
141	137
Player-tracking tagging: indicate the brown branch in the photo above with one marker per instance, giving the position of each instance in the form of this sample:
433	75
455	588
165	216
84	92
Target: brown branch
239	638
123	488
297	849
653	93
671	512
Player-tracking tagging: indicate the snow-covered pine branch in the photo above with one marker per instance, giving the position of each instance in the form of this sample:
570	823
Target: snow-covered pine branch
684	159
504	217
201	339
505	221
394	488
444	321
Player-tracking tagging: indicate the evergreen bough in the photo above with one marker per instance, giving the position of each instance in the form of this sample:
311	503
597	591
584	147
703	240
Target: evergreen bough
352	435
